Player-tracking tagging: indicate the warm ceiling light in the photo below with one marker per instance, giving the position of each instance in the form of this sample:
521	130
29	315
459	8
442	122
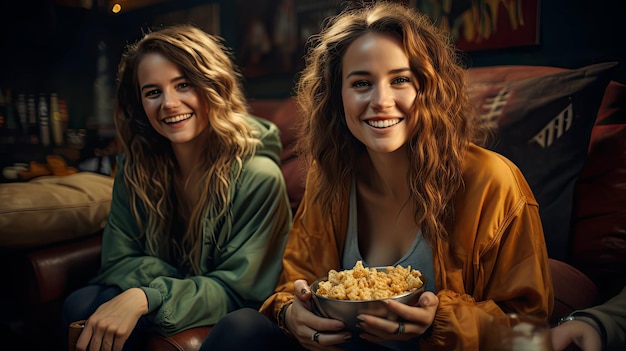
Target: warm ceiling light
116	8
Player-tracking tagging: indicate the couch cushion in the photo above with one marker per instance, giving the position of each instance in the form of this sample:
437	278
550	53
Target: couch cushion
542	118
283	113
50	209
599	213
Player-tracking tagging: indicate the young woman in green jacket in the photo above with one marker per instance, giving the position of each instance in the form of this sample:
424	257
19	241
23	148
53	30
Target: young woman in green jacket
200	213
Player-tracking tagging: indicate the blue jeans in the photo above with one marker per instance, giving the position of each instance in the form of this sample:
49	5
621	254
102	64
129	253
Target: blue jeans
248	329
83	302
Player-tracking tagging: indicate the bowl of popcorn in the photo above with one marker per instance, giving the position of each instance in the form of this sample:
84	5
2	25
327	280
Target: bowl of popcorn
343	295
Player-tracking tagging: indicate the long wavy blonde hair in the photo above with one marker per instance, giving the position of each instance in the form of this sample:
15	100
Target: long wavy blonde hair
149	164
443	123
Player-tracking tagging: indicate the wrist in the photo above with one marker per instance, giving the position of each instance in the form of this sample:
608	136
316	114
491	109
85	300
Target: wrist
589	319
282	322
566	319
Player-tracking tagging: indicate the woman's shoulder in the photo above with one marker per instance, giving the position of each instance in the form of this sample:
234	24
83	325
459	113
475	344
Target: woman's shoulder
260	165
481	160
495	172
261	178
269	135
260	171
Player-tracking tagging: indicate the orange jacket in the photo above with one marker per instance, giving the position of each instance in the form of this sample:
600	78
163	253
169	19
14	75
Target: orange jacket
494	262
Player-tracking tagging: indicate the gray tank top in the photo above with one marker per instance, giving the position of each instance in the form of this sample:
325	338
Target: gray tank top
418	256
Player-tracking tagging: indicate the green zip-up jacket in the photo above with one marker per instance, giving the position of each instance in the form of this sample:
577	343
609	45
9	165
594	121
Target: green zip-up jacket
238	270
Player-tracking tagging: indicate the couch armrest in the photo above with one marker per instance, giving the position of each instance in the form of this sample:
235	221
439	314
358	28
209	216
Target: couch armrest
62	268
188	340
573	290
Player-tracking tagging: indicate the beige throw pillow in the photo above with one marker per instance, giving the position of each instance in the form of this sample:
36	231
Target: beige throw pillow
51	209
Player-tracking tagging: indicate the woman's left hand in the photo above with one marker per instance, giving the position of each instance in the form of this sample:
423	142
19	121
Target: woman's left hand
412	321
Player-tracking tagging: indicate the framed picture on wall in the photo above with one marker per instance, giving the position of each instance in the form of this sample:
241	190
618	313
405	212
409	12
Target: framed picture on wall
271	33
271	37
483	25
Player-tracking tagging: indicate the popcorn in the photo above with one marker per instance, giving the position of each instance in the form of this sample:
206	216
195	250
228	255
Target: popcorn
360	283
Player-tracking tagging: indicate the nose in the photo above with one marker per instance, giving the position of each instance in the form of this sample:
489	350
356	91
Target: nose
382	97
170	99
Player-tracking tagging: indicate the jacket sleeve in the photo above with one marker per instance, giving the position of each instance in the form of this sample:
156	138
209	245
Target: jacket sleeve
240	269
612	315
312	249
503	269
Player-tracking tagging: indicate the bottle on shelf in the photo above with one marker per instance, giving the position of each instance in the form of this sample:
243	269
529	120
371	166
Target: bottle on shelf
2	112
22	115
10	113
10	119
57	120
33	131
44	120
3	119
64	118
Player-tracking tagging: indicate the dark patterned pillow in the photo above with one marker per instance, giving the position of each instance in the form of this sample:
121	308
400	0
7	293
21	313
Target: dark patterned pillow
542	118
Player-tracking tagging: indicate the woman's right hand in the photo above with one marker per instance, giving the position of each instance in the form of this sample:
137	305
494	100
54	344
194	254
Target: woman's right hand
109	327
304	324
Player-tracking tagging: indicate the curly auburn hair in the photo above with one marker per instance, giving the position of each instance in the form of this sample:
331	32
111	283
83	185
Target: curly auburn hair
443	120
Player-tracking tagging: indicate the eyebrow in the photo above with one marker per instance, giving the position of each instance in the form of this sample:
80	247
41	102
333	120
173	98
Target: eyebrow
367	73
150	86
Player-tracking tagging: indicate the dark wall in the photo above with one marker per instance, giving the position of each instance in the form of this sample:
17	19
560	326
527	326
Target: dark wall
51	48
573	33
48	49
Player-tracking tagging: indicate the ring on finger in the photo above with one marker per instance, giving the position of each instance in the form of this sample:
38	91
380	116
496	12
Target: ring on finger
400	329
315	337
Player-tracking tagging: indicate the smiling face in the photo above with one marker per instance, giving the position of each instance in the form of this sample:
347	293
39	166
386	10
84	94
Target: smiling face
173	106
377	91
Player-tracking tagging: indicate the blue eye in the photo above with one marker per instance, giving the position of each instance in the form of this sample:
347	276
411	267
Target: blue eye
184	86
361	84
401	80
152	92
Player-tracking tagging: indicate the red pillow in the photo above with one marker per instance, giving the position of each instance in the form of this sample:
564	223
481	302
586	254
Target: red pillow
599	210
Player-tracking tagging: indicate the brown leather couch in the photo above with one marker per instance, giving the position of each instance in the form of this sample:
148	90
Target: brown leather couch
50	237
42	275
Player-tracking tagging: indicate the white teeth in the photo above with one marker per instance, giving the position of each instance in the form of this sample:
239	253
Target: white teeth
383	123
177	119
